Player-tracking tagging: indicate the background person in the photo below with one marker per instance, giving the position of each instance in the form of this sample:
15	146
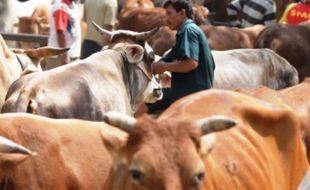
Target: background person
103	13
65	29
252	12
190	60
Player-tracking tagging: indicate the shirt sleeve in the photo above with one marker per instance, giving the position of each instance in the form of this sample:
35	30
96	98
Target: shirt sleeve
61	19
189	45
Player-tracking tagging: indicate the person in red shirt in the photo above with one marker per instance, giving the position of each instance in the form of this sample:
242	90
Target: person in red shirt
296	13
65	29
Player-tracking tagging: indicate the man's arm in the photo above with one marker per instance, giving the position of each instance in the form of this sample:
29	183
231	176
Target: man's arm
61	19
180	66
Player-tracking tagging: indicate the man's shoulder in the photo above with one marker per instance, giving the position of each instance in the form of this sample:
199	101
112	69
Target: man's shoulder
190	27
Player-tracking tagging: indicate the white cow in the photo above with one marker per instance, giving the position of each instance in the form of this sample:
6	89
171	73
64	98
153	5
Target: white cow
250	68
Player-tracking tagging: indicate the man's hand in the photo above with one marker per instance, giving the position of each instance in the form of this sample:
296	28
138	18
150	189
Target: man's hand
158	67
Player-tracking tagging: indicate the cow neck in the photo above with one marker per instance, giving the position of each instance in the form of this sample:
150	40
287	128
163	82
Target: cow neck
127	79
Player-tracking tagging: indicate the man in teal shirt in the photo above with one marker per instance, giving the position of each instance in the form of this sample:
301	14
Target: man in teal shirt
190	60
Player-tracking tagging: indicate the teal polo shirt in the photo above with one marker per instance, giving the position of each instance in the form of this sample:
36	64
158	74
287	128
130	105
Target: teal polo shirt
192	43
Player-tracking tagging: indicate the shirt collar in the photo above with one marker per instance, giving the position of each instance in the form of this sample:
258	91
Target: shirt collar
188	21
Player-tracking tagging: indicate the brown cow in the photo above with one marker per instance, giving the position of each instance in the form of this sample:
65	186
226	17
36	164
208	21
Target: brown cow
37	23
291	42
226	38
60	154
264	151
148	18
163	40
130	4
219	37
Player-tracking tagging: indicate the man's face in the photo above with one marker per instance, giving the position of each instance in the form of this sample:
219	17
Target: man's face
174	18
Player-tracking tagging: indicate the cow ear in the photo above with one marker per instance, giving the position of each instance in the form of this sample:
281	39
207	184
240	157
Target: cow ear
114	139
45	51
134	53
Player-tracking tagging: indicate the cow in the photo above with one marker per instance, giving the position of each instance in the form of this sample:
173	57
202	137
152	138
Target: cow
163	40
294	48
37	23
42	153
10	10
179	150
226	38
148	18
14	63
31	25
130	4
250	68
118	78
219	37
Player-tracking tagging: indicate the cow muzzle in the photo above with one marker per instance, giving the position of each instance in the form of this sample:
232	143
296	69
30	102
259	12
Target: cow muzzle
158	93
153	92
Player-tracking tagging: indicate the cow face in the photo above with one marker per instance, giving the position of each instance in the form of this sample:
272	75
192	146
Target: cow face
161	155
153	91
140	55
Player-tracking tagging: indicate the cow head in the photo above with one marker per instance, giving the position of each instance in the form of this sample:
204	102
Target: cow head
163	154
30	25
138	57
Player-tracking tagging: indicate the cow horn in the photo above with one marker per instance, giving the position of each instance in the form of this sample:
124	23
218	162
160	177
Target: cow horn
215	124
120	120
8	146
146	35
108	34
44	52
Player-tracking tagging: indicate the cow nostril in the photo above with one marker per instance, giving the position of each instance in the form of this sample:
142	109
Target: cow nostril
158	93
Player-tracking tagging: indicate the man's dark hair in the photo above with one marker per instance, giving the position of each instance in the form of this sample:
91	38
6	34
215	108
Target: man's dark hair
178	5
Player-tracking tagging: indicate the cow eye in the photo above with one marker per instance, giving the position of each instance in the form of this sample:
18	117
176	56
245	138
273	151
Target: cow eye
199	177
136	175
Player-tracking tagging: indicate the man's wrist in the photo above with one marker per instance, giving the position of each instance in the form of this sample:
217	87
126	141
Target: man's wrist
166	66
